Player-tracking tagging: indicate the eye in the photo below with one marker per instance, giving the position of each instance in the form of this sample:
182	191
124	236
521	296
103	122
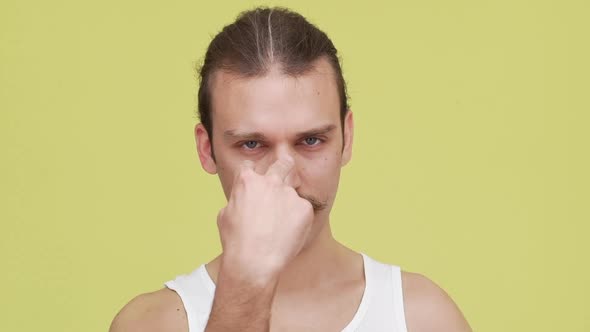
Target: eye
311	141
250	145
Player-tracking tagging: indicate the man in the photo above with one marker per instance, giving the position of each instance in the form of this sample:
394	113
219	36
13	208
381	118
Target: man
276	128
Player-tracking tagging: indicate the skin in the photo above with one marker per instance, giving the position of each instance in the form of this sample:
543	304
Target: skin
283	135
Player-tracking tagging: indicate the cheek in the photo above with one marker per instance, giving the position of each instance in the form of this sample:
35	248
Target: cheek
321	170
227	166
226	177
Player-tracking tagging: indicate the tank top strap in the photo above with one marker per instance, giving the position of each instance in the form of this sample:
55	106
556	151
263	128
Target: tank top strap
385	311
196	290
398	298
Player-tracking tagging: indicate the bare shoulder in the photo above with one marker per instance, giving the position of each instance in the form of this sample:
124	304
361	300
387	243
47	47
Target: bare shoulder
428	307
158	311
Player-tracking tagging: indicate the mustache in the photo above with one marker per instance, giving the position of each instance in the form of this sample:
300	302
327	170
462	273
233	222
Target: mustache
317	204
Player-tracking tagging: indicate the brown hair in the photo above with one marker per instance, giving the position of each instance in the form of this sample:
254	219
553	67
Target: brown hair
260	38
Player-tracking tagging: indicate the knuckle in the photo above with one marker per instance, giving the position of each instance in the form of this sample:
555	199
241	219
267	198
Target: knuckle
306	206
290	192
272	179
275	179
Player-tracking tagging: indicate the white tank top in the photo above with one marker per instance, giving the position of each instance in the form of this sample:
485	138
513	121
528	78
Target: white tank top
381	307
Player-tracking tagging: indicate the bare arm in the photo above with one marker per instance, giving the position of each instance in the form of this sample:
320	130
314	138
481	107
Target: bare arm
152	312
429	308
262	228
241	304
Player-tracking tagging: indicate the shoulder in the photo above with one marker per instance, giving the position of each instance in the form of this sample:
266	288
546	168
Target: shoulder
161	310
428	307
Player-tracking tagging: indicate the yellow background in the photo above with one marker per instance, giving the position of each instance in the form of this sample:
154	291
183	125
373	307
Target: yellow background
470	163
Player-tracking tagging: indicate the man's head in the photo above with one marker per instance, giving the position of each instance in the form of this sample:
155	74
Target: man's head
271	86
260	39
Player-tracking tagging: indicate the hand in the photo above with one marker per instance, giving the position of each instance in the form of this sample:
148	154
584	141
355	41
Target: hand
265	223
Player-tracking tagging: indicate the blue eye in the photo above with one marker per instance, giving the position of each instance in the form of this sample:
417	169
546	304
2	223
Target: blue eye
250	144
312	141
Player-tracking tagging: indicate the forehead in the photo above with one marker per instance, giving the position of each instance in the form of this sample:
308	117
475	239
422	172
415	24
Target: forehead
275	101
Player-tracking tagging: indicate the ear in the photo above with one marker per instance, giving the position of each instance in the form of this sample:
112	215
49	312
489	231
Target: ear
348	137
204	149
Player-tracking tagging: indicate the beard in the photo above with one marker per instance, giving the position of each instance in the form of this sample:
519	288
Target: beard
317	204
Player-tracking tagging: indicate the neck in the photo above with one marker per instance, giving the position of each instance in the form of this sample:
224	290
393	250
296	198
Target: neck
320	260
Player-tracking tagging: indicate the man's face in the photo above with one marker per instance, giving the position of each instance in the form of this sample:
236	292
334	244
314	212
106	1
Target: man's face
264	118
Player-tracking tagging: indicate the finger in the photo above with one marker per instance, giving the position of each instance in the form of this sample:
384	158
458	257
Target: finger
245	166
280	168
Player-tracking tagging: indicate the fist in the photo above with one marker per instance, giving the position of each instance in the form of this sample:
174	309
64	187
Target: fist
265	223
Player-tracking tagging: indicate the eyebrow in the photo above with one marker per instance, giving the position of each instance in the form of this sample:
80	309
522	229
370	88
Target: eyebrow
258	136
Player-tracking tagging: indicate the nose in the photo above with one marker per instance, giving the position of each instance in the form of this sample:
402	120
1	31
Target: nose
293	179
